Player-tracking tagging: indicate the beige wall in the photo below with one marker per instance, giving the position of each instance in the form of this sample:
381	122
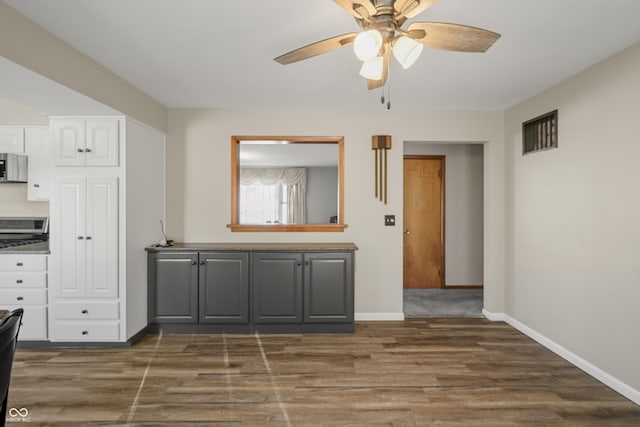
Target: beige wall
25	43
573	219
198	185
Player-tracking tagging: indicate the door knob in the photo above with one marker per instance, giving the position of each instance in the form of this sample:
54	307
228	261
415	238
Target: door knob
407	231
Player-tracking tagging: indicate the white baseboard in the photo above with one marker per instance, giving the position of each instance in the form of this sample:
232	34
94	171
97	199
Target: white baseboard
602	376
364	317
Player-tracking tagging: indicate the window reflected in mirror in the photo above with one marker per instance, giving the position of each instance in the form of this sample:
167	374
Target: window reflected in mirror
287	184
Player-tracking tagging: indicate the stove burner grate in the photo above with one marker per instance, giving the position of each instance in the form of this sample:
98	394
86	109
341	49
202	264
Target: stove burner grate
13	243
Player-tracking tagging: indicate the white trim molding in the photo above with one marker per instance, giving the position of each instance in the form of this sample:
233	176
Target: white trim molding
602	376
366	317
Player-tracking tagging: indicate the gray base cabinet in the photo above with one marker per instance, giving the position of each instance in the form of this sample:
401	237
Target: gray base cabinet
174	294
328	288
249	291
224	287
192	287
277	287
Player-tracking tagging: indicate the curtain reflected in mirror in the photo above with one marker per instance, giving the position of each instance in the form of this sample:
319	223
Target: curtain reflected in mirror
273	195
287	184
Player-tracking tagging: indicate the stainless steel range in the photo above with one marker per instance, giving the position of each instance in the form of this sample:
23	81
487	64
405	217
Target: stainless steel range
21	231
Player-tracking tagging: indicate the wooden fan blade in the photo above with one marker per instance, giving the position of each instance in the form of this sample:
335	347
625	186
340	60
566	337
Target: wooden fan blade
411	8
360	9
315	49
461	38
374	84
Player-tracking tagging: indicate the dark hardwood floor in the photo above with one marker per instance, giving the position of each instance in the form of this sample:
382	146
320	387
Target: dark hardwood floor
412	373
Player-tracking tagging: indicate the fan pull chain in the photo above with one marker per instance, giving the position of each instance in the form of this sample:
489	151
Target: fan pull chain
387	98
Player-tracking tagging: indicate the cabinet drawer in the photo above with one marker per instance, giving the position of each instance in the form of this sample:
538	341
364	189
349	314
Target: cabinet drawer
34	323
23	280
22	297
85	331
87	310
15	262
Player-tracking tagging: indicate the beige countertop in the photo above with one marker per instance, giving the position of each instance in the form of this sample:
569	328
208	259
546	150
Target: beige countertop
180	246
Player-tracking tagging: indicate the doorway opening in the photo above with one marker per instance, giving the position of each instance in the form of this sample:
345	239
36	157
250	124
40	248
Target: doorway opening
443	229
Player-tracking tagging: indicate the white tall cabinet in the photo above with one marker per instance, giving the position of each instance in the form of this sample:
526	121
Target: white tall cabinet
107	198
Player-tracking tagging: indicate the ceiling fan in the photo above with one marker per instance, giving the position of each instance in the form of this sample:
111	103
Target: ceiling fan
382	35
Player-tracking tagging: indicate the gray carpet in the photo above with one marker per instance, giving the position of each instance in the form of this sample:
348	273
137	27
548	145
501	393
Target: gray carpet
442	303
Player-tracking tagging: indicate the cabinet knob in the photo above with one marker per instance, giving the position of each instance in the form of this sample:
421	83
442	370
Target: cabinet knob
36	185
299	263
19	281
80	237
19	264
201	262
88	237
306	263
20	298
80	150
85	311
87	150
85	332
194	263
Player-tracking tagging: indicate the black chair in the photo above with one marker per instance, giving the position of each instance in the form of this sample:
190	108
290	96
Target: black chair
9	327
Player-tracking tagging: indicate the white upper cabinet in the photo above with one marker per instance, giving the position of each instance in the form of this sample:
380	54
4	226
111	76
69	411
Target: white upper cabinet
39	171
79	142
102	142
11	139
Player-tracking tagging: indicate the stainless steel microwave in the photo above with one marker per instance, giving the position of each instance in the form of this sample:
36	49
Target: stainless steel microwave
13	167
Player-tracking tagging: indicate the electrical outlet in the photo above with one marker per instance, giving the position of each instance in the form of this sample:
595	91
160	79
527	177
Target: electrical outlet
389	220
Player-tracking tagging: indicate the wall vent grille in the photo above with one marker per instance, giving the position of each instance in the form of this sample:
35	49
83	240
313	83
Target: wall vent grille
540	133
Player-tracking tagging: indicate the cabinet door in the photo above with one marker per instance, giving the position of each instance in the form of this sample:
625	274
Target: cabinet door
101	237
69	229
224	287
68	140
11	139
39	172
173	287
328	287
101	147
277	287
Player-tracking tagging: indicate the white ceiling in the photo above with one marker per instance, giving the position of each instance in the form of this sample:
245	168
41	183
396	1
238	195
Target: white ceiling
219	54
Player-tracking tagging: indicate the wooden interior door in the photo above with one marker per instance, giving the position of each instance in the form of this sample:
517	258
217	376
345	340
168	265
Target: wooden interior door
423	222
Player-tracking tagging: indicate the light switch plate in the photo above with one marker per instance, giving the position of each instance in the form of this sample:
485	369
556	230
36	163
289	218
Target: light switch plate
389	220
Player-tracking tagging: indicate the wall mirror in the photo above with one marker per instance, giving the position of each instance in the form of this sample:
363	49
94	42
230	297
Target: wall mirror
287	183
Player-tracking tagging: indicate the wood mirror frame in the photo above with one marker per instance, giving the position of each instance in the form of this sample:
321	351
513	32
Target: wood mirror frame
235	185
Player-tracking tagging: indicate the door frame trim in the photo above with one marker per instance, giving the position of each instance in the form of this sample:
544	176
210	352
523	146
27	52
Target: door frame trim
442	159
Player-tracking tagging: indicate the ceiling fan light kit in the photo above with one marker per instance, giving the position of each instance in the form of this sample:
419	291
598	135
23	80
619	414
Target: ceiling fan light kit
372	69
382	22
406	51
367	45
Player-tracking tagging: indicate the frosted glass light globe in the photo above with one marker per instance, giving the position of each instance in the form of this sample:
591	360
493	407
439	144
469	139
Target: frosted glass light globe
367	44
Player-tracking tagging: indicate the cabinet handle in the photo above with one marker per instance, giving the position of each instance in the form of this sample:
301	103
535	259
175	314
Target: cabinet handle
19	264
36	185
80	238
85	332
20	298
88	237
85	311
19	281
